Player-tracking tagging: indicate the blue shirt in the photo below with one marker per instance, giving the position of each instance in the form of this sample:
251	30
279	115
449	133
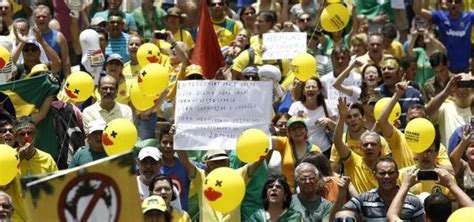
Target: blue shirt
455	139
455	34
120	46
181	179
412	96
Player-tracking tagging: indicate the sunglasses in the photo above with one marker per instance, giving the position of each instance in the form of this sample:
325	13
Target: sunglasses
6	206
215	4
344	219
304	19
4	130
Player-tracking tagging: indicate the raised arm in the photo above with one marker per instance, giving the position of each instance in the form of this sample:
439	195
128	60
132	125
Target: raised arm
348	90
384	125
419	10
411	44
456	156
437	101
397	203
447	180
343	185
341	147
52	55
188	165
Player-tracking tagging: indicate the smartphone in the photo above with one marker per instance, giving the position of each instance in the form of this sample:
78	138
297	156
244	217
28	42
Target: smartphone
427	175
466	83
160	35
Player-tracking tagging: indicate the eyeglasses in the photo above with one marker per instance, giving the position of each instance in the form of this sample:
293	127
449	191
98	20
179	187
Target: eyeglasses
344	219
215	4
5	8
6	206
304	179
4	130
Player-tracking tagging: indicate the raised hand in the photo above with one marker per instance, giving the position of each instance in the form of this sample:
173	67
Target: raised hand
343	107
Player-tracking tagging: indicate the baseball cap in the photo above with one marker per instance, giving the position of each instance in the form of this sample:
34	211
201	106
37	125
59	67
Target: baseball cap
214	155
176	12
37	69
116	57
295	119
193	69
32	40
154	203
97	21
149	151
96	125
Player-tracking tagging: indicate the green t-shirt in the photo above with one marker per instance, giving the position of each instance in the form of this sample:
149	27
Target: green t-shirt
145	27
85	155
312	211
252	199
424	71
288	215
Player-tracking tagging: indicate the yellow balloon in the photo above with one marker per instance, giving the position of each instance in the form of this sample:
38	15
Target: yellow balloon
148	53
381	105
9	162
120	135
153	79
251	145
419	134
303	66
79	86
140	101
4	57
224	189
334	17
461	215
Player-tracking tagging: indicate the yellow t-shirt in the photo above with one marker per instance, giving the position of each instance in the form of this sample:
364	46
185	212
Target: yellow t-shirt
242	61
354	146
19	214
226	30
180	216
40	163
361	175
184	36
288	159
396	49
206	212
424	185
130	72
401	152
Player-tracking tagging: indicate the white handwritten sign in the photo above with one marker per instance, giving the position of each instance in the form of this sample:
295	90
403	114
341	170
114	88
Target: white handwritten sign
212	114
283	45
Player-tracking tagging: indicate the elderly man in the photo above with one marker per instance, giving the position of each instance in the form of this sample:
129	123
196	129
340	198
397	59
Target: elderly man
6	210
149	164
107	108
94	150
312	206
32	160
375	54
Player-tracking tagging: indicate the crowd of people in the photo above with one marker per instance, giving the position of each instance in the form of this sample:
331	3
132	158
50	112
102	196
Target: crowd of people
331	158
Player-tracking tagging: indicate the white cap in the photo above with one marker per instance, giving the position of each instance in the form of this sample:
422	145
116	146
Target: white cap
269	72
149	151
96	125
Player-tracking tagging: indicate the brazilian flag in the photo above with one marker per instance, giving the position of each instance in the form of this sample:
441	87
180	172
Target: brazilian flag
27	95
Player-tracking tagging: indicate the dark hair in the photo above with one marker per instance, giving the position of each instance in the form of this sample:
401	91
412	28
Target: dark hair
359	107
162	177
438	58
279	115
417	106
387	159
268	16
4	122
165	130
319	98
115	14
389	31
340	49
379	73
437	206
286	189
406	61
243	9
320	161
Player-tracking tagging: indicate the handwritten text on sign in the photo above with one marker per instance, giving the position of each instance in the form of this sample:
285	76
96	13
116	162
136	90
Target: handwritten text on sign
212	114
283	45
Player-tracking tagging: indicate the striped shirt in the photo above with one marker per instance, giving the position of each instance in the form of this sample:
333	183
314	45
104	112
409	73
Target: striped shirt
119	45
371	207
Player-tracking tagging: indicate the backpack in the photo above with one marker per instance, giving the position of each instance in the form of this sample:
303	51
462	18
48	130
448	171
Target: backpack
68	133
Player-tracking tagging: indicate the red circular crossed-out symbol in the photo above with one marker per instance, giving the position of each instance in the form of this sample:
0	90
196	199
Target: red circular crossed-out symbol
105	182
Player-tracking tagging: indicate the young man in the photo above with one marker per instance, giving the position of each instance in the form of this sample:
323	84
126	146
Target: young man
94	150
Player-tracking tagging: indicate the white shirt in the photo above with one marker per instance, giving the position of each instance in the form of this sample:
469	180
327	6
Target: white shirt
332	94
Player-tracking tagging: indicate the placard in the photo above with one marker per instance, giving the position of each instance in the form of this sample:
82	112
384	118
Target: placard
211	114
283	45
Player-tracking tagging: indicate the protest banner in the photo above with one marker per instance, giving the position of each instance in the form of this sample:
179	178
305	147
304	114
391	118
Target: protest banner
283	45
104	190
212	114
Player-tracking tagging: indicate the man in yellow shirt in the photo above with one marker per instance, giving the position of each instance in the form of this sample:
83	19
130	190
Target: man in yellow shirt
226	29
392	46
173	19
375	54
13	189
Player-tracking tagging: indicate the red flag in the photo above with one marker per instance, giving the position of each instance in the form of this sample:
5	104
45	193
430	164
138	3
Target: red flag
207	52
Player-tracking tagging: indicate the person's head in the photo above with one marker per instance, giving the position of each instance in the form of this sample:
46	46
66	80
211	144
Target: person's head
114	66
320	161
6	10
409	66
463	95
469	154
115	24
314	38
25	131
154	209
455	7
415	111
340	58
242	39
375	44
276	191
265	21
173	19
42	17
31	50
114	5
355	118
7	132
162	185
303	21
371	76
148	4
439	63
22	26
193	72
309	180
134	42
427	159
108	87
391	72
386	173
98	23
369	99
247	15
94	134
389	33
346	215
359	44
437	206
371	145
279	123
165	136
103	39
312	90
217	8
297	130
215	159
6	206
149	162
